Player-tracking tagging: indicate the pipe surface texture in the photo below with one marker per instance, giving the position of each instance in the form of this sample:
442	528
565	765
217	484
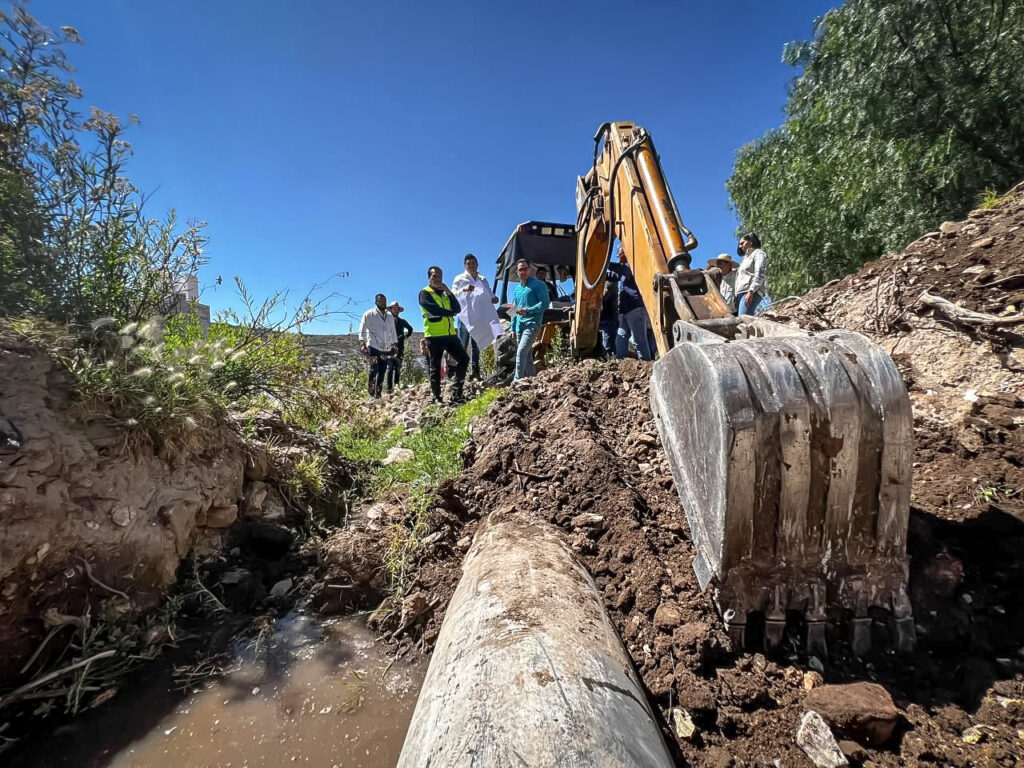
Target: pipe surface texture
527	669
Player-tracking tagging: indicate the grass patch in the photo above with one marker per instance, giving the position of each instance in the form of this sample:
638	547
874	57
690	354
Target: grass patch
437	449
995	494
990	198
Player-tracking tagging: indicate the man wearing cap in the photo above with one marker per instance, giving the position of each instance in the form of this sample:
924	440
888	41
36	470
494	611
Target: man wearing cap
478	317
403	330
727	285
377	341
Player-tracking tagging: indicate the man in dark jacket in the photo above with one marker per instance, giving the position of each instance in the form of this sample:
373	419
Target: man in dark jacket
404	331
440	307
632	315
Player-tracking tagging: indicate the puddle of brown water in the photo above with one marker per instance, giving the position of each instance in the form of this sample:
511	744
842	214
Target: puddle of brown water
326	696
313	693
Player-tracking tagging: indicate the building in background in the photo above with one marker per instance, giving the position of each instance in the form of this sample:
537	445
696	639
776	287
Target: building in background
185	299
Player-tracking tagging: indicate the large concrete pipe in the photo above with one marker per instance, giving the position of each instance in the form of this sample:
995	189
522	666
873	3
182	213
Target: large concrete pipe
528	670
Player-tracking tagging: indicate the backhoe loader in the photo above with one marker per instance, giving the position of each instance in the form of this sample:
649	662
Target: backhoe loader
791	451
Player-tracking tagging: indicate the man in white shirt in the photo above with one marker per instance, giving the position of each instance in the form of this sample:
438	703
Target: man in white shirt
478	320
377	341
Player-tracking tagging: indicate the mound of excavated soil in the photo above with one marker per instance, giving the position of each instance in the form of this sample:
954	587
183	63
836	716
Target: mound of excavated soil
578	447
965	381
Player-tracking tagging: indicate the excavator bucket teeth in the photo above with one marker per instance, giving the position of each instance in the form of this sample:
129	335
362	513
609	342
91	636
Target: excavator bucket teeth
792	457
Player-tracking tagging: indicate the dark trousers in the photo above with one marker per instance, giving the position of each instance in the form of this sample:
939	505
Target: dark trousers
378	365
394	370
469	343
438	346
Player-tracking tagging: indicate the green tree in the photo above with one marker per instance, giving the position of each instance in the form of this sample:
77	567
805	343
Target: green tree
75	243
903	113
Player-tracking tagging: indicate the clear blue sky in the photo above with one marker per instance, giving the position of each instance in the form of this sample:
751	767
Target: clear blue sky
378	138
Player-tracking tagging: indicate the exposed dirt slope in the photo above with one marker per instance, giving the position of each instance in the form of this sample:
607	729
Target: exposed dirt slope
965	382
81	502
89	509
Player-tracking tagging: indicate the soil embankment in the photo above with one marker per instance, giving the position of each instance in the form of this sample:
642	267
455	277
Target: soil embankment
97	521
89	510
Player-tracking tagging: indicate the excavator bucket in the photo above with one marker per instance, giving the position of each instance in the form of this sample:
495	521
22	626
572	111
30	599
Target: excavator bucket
791	455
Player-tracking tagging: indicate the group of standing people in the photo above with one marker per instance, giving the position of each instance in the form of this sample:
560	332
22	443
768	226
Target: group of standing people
472	302
742	285
460	321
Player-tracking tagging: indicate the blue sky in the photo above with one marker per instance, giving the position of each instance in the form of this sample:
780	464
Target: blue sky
378	138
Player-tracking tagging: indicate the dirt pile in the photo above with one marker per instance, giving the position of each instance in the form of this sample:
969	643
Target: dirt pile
578	447
965	380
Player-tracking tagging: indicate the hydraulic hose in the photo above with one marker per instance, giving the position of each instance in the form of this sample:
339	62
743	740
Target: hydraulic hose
629	151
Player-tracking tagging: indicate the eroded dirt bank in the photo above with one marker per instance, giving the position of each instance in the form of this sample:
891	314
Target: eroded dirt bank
99	523
84	505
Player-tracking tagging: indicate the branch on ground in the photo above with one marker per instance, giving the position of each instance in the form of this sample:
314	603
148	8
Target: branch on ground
967	316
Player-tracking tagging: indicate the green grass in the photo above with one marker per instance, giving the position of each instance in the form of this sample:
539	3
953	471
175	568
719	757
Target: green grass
990	199
437	457
436	447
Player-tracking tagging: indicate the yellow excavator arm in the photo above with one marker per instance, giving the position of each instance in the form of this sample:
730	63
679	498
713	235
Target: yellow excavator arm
791	451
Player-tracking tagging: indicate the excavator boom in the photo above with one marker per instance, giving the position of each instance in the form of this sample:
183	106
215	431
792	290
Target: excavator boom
791	451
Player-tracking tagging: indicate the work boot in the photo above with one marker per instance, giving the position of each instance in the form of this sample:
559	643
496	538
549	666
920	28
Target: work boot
457	397
476	374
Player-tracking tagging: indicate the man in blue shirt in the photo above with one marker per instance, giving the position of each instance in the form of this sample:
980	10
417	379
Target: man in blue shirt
632	315
529	301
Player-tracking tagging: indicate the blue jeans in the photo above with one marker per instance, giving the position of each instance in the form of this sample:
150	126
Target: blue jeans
608	331
633	323
524	353
744	309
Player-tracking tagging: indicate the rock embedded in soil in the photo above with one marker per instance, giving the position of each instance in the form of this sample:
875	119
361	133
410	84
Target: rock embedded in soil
812	680
863	712
682	723
853	750
221	517
667	616
397	455
588	520
816	740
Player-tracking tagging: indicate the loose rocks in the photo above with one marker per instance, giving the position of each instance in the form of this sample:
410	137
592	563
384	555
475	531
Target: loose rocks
863	712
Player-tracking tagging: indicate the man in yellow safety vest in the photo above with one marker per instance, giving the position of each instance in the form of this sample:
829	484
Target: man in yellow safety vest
440	308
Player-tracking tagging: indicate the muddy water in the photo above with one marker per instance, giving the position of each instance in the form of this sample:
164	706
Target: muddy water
309	693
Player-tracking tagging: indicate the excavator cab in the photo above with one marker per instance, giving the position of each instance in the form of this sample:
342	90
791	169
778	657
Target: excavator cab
543	244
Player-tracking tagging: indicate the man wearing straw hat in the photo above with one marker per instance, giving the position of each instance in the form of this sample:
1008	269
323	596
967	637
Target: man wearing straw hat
727	285
403	330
